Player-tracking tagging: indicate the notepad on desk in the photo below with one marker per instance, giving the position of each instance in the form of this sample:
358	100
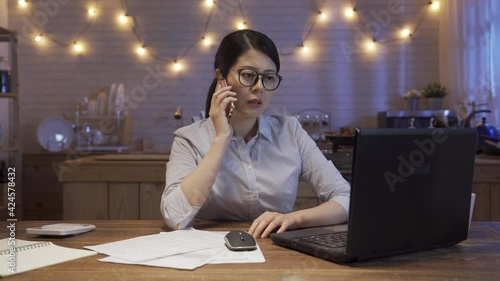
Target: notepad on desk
17	256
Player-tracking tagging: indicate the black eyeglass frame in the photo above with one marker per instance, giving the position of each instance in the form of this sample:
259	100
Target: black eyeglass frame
259	77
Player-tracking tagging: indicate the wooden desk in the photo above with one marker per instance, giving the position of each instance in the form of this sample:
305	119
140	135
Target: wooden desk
477	258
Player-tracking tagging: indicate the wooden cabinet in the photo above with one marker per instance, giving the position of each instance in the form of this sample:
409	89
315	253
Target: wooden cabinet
113	187
42	189
486	185
124	187
121	188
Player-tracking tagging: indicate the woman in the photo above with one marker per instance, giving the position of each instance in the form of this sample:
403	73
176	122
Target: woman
247	167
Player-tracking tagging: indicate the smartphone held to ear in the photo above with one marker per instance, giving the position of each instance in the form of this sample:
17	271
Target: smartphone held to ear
230	106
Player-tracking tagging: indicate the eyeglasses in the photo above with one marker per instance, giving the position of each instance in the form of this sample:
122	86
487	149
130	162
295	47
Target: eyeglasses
249	78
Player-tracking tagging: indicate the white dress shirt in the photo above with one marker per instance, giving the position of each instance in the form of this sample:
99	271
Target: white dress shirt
258	176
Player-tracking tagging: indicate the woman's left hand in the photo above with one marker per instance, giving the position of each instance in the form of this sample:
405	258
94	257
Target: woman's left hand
269	221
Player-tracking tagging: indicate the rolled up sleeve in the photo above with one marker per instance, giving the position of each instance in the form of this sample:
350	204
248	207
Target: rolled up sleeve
175	207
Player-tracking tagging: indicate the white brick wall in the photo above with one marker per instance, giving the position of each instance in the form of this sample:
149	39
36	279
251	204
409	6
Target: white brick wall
53	80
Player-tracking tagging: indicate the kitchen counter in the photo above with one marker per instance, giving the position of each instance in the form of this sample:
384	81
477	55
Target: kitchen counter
115	168
129	186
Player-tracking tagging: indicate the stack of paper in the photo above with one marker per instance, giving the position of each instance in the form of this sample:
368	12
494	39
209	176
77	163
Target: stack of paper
182	249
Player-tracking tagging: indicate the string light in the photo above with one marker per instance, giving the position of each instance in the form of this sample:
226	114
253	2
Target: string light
38	38
141	50
77	47
349	12
23	3
405	32
123	18
206	41
305	49
177	66
434	5
322	16
370	45
242	25
209	3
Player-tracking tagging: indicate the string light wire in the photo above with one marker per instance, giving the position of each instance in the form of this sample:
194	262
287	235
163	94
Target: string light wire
421	16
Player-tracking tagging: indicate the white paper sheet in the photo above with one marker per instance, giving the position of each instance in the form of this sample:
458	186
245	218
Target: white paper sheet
188	261
182	249
155	246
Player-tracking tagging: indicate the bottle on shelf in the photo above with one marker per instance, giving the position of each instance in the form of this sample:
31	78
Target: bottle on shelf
4	76
3	172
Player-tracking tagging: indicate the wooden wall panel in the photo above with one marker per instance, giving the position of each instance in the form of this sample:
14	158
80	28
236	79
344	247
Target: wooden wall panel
482	205
495	201
85	201
123	201
149	201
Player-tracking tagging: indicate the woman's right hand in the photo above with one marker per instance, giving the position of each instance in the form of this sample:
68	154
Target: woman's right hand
221	99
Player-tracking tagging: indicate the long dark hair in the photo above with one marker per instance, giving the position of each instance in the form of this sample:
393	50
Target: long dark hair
232	47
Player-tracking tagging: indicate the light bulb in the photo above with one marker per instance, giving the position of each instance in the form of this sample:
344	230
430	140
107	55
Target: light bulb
177	66
77	47
38	38
305	49
206	41
242	25
92	12
435	5
349	12
322	16
370	45
405	32
141	50
209	3
123	18
23	3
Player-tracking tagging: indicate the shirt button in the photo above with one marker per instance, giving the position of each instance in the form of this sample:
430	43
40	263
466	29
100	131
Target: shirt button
249	167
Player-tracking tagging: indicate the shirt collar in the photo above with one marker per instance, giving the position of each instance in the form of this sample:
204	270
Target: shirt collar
264	128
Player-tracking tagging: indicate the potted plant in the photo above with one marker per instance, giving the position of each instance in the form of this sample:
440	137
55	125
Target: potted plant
434	93
413	97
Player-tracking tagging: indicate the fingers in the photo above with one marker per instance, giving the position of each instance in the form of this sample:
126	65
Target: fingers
267	222
221	98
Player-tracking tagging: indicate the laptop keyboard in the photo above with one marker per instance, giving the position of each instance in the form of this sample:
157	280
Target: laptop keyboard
328	240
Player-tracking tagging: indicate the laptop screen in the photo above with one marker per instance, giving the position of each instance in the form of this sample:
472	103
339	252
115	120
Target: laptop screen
411	189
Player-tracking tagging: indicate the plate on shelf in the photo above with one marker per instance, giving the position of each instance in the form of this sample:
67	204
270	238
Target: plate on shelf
55	134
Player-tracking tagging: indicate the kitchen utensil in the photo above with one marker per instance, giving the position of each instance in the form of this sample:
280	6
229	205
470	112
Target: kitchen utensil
55	134
120	97
490	145
111	99
92	108
494	144
485	129
102	104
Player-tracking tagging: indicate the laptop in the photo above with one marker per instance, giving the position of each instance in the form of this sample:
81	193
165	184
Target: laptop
410	191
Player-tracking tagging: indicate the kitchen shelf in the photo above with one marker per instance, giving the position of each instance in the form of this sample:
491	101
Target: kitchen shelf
99	117
11	149
9	95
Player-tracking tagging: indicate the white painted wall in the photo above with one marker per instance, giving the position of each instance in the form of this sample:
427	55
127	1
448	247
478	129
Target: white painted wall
53	80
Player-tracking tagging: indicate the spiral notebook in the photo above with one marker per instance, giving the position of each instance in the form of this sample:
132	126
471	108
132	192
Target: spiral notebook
29	255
